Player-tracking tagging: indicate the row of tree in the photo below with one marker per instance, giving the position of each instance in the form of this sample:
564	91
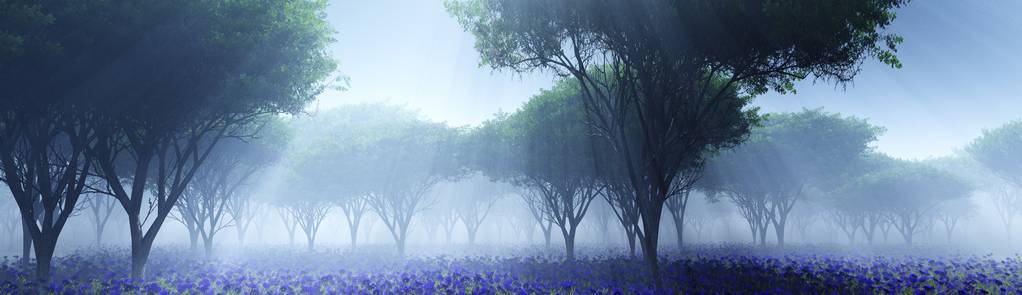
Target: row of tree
129	99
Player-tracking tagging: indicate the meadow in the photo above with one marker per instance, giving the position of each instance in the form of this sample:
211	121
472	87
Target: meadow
710	269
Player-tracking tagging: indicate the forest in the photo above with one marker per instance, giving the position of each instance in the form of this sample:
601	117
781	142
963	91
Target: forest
541	147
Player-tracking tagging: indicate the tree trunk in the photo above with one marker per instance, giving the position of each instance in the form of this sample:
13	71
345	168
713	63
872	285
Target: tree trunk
353	231
755	233
241	236
311	239
207	245
401	246
546	235
26	245
139	256
779	230
354	236
631	242
99	236
140	247
471	230
44	258
651	230
762	235
679	227
569	243
193	238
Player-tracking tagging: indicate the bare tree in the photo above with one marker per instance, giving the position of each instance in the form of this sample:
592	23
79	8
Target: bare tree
289	222
101	207
1008	205
10	219
448	219
243	210
523	224
532	201
43	161
951	213
848	221
565	205
354	208
473	208
622	202
308	215
803	220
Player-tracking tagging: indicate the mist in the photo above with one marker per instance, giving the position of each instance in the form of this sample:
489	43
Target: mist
510	146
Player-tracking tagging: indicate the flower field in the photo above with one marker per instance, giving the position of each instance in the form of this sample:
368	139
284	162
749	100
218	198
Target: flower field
709	269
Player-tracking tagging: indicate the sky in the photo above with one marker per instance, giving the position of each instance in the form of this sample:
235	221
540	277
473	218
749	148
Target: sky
962	72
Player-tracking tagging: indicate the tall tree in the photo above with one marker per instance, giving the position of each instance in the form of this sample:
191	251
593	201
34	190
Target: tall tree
253	159
307	214
654	64
219	69
473	201
997	150
409	163
788	154
43	157
951	213
375	157
556	155
222	186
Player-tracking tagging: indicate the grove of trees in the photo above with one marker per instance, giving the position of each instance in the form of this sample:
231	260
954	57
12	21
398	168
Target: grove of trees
125	115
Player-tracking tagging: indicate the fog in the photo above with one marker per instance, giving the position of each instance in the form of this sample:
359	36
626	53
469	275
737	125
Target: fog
549	140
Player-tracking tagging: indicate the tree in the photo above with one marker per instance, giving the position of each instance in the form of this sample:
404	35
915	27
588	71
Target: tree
42	145
523	223
43	161
102	208
307	214
448	219
556	159
603	214
475	200
950	213
290	223
908	192
244	210
803	218
533	201
997	151
252	160
406	157
431	223
621	198
10	219
219	196
790	153
85	77
654	61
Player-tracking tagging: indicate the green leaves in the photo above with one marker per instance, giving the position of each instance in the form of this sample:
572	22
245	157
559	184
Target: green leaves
1000	150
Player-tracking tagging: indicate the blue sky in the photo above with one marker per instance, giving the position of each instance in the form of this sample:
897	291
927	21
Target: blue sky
962	71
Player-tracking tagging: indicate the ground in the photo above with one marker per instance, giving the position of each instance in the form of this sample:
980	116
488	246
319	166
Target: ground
710	269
